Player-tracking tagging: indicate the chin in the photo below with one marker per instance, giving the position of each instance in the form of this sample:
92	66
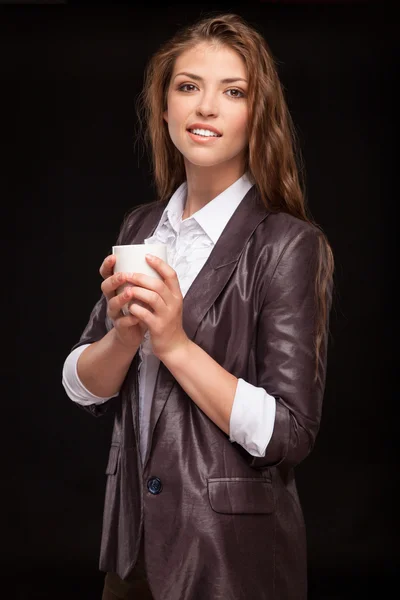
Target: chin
204	161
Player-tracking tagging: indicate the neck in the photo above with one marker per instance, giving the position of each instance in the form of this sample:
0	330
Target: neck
206	183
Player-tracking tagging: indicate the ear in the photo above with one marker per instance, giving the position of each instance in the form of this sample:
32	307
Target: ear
165	115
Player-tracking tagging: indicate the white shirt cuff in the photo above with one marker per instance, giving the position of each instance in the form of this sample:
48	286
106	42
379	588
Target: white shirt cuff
252	418
73	386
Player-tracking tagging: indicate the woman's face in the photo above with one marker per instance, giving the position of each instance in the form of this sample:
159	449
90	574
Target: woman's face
207	92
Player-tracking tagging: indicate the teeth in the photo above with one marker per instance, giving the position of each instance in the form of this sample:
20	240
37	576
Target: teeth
204	132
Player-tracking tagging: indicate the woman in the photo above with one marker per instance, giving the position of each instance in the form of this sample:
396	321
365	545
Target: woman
217	379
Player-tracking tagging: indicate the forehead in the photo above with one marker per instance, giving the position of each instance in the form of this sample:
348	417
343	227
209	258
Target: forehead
221	59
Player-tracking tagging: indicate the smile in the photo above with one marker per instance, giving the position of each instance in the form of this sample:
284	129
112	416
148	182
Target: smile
203	135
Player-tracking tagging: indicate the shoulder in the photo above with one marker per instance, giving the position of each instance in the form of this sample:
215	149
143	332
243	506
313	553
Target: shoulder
283	243
287	254
142	211
283	228
280	232
138	215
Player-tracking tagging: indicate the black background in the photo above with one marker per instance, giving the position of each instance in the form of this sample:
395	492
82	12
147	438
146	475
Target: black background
71	170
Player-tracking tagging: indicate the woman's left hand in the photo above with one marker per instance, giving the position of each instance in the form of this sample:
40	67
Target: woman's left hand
164	306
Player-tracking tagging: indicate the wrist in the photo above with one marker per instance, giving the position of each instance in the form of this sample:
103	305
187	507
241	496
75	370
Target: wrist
178	354
119	347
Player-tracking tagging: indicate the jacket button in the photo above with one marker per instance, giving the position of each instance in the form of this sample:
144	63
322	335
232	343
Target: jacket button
154	485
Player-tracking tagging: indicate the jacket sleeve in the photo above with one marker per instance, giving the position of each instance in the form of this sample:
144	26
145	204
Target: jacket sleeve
99	324
286	350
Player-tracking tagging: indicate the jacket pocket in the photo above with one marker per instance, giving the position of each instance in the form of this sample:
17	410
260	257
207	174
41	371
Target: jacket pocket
113	459
241	495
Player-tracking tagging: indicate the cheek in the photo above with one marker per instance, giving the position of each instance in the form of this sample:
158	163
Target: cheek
240	126
173	126
175	110
174	122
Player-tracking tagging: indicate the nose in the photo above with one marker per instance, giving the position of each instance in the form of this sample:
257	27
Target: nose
207	106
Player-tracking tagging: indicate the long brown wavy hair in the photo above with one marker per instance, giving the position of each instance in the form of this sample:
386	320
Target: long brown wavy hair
273	158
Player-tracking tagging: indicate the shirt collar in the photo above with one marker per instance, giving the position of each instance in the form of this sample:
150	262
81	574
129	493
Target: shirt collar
214	216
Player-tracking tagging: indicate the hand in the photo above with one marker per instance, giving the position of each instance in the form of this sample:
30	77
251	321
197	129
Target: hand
129	329
163	314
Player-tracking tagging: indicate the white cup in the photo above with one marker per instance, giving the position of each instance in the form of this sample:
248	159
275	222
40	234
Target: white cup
130	258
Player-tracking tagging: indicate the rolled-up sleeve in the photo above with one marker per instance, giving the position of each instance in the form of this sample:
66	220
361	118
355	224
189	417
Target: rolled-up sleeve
73	386
252	418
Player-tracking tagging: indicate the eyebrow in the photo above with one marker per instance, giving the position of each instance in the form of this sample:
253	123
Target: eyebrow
198	78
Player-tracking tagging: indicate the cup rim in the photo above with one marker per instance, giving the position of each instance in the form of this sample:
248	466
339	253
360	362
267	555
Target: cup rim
138	245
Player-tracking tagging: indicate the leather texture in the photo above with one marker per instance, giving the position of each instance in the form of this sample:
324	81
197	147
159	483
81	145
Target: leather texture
225	525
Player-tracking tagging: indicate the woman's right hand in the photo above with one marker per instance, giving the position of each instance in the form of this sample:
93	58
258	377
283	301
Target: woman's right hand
129	329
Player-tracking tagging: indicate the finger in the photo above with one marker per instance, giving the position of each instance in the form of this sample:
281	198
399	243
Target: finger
143	314
167	273
116	302
110	285
153	284
149	297
107	266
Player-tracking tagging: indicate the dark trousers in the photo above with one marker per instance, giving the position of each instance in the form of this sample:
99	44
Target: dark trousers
133	588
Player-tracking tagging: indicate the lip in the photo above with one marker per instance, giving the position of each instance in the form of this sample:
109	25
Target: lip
204	126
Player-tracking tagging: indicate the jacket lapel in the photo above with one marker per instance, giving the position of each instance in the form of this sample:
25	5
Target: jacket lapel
222	261
207	286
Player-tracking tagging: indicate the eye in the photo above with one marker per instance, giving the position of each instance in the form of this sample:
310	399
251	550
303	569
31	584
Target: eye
185	85
236	94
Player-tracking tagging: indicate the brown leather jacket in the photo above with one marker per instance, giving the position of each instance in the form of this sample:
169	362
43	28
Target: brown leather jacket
218	522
